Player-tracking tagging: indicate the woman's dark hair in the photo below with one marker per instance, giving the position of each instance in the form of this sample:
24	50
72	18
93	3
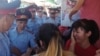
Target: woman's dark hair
46	32
88	25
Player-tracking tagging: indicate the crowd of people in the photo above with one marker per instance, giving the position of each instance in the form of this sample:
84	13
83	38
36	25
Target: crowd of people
31	31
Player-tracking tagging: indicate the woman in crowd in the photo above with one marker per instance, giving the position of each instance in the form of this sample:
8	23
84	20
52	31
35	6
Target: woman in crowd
85	34
50	42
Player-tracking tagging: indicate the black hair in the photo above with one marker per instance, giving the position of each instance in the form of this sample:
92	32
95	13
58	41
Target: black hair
95	31
46	33
88	25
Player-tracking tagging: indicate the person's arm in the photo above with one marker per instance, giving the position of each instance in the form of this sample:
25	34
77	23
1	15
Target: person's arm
15	51
28	52
78	5
72	45
32	46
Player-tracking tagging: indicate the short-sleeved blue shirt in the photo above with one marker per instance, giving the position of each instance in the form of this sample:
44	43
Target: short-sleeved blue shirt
21	40
32	26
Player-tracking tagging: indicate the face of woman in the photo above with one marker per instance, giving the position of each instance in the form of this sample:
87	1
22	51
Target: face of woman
80	35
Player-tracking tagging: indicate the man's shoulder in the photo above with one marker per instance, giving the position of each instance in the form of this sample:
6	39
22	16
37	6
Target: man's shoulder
11	30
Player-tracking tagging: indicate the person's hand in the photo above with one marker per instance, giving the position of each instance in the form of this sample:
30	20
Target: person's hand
72	39
72	12
15	51
98	53
28	52
72	45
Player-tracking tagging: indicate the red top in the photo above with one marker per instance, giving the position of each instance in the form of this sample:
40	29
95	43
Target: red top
62	29
91	10
97	44
90	51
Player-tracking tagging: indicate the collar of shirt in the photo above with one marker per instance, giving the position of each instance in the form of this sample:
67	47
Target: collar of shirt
19	32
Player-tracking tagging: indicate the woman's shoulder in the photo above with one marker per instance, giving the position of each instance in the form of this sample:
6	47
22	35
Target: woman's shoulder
65	53
68	53
35	55
40	54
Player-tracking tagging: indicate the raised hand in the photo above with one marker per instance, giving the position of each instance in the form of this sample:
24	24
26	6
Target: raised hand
98	53
72	45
